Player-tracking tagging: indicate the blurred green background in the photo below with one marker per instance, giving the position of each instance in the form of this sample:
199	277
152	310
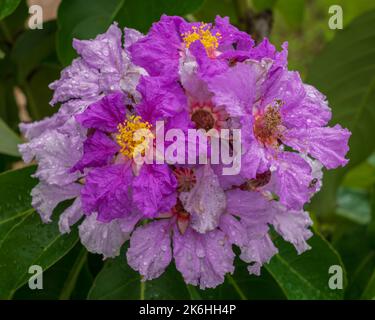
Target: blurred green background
340	63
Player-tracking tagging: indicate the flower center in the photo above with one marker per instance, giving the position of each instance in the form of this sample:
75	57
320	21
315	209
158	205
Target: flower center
206	116
186	179
267	126
133	136
204	35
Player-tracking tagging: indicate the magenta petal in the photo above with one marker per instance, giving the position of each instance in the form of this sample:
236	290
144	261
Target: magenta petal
150	250
98	150
106	114
154	190
328	145
107	191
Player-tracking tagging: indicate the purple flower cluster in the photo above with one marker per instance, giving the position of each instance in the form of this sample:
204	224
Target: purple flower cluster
188	75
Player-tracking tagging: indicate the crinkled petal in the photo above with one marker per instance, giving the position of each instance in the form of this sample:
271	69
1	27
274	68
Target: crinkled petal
259	249
292	179
206	202
150	250
70	216
234	229
98	150
203	259
102	238
154	190
106	114
107	192
313	111
293	226
159	51
105	52
235	89
78	81
328	145
161	98
46	197
56	151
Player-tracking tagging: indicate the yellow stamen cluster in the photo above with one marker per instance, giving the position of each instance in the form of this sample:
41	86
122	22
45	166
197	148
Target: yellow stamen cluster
133	136
205	36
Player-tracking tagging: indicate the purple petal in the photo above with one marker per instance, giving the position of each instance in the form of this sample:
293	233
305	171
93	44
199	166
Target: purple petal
328	145
98	150
102	238
292	179
70	216
203	259
106	114
159	51
293	226
154	190
46	197
107	191
205	202
150	250
78	81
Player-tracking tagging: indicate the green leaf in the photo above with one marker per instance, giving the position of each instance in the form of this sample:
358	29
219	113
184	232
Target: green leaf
7	7
15	199
293	11
37	91
30	243
211	8
118	281
305	276
353	204
369	292
8	141
243	286
77	19
32	48
58	278
141	14
344	71
25	240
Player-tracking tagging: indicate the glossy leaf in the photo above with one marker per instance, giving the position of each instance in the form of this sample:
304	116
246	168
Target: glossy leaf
25	240
305	276
344	71
141	14
7	7
118	281
8	141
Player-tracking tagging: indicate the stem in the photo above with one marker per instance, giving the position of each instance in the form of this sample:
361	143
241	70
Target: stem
30	101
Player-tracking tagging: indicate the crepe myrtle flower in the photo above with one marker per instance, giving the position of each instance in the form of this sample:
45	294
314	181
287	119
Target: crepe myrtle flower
284	126
57	143
189	75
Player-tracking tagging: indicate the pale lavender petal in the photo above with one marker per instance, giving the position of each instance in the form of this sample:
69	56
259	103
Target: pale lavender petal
293	226
46	197
292	179
150	250
205	202
102	238
78	81
70	216
203	259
